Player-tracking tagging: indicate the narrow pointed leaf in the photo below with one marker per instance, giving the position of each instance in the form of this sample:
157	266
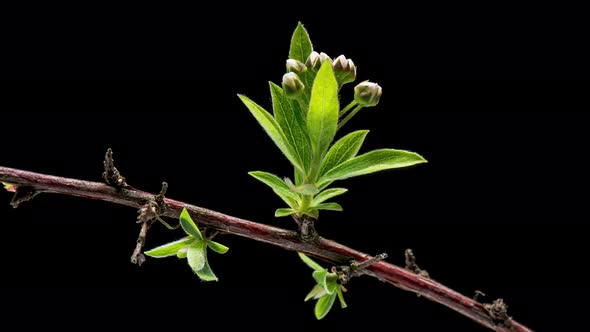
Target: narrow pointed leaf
300	49
345	149
324	305
217	247
169	249
310	262
328	206
188	225
373	161
206	274
341	298
272	128
322	119
195	254
300	44
323	185
278	186
327	194
284	212
293	125
316	292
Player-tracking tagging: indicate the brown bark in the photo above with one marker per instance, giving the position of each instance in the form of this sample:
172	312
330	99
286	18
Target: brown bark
324	249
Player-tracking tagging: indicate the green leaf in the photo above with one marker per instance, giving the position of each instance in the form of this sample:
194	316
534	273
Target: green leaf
293	125
314	213
301	47
310	262
346	148
327	194
217	247
278	186
300	44
284	212
324	305
373	161
272	128
322	119
316	292
323	185
328	206
324	279
189	226
169	249
196	255
182	253
331	282
206	274
304	189
341	298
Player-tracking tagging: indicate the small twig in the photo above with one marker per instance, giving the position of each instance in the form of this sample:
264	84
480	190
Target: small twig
412	266
23	194
111	175
138	257
477	295
347	272
213	235
327	250
148	214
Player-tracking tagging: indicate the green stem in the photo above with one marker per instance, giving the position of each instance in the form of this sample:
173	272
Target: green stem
349	116
347	108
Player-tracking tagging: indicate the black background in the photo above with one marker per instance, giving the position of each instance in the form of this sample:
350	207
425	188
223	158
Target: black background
499	207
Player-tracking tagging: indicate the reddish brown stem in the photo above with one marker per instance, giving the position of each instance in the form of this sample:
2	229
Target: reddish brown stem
324	249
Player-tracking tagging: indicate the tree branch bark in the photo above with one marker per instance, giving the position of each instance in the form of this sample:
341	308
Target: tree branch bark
323	249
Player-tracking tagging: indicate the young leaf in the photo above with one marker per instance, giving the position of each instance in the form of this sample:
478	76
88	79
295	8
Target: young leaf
278	186
273	130
321	277
322	119
323	185
327	194
284	212
332	282
346	148
9	187
206	274
304	189
301	47
195	254
328	206
314	213
341	298
324	305
293	125
217	247
371	162
300	44
182	253
189	226
310	262
316	292
169	249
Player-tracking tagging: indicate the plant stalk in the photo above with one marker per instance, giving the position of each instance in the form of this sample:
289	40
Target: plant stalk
324	249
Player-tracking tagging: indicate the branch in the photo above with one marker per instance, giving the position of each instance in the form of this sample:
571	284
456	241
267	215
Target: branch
327	250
